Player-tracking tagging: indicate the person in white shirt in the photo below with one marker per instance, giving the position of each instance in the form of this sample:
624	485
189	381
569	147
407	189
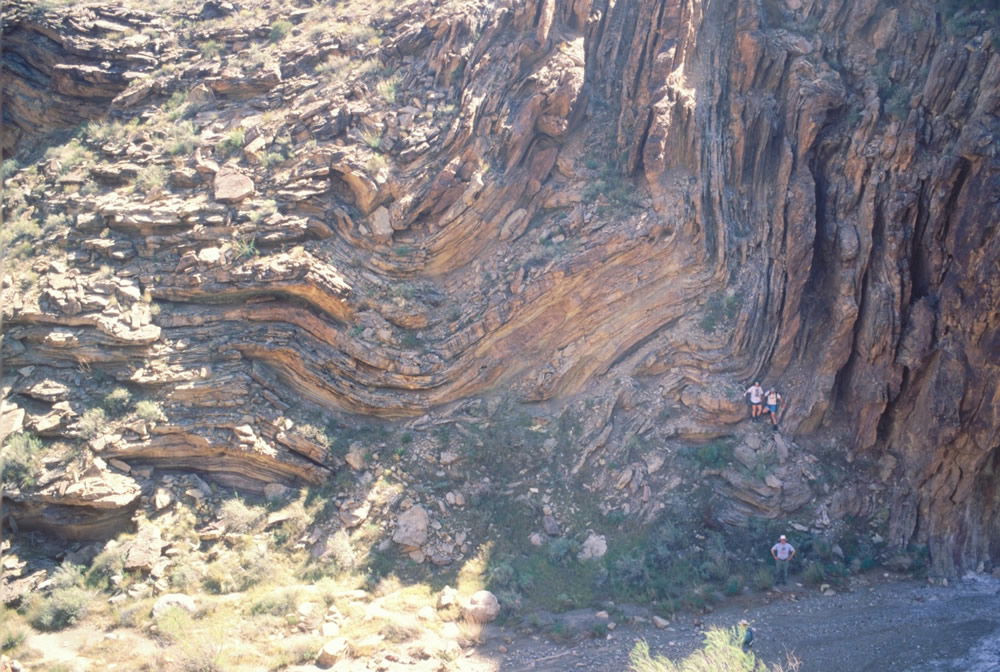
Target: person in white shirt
756	395
782	552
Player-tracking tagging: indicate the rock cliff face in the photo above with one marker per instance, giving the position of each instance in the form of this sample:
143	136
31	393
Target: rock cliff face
616	213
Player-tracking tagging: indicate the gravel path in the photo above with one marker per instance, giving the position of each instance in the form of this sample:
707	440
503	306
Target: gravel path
873	626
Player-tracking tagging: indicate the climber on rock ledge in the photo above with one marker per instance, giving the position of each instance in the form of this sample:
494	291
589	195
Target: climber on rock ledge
773	399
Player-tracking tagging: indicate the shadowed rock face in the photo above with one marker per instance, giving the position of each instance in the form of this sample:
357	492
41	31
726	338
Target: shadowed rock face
647	204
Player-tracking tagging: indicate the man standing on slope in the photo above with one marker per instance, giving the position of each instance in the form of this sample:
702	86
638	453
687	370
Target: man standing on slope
782	552
756	394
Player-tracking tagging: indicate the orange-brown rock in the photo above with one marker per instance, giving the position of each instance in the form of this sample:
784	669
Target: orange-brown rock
620	212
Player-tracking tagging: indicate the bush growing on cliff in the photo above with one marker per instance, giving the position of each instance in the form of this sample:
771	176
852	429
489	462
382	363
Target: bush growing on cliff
93	422
117	401
280	30
20	460
150	411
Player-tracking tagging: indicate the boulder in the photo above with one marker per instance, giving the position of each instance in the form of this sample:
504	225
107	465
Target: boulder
411	528
232	186
594	547
482	607
333	651
170	600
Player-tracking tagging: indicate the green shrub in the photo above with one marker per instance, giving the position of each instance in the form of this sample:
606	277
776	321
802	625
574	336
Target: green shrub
734	585
151	177
280	30
109	563
8	168
763	579
562	551
182	138
20	460
69	156
11	637
235	571
721	652
245	247
388	88
714	454
150	411
238	517
278	602
15	228
233	142
62	608
814	574
210	48
117	401
93	423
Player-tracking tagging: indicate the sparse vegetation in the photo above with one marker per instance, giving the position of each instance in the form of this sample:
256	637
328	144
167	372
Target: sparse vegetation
20	460
68	156
182	138
117	401
151	178
720	311
388	87
233	142
93	423
65	605
150	411
8	168
210	49
721	653
245	246
280	30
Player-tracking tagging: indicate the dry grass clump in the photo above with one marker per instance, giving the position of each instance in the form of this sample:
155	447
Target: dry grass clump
722	652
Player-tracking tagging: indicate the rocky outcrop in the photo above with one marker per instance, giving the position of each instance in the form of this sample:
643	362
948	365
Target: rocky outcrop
620	213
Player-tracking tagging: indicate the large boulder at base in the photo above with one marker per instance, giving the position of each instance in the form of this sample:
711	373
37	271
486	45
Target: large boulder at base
482	607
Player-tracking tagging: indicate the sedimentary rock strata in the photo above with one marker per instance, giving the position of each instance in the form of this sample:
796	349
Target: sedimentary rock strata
643	204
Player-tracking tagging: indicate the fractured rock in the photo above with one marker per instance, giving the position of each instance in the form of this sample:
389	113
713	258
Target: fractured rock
232	186
411	528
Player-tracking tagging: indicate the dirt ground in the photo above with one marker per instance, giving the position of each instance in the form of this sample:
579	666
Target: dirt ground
875	623
872	625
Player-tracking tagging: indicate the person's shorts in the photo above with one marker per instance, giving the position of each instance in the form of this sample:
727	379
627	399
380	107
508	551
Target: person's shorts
773	408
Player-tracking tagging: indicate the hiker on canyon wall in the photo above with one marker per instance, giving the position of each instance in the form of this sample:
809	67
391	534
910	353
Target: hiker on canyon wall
782	552
755	395
773	399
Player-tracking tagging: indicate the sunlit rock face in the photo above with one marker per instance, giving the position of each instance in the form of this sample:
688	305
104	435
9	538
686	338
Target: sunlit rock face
628	210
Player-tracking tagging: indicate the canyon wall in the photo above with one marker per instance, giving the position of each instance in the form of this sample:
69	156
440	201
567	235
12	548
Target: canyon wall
627	210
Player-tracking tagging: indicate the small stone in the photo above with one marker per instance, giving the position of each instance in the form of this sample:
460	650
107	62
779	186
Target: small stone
119	465
355	459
